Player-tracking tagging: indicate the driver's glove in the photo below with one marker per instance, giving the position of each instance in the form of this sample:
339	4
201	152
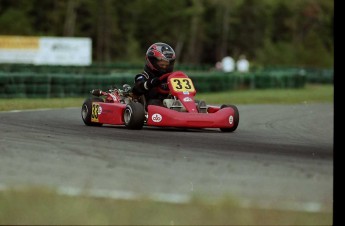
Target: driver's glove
164	86
152	82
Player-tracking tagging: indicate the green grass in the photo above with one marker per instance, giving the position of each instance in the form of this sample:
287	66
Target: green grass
42	206
35	103
309	94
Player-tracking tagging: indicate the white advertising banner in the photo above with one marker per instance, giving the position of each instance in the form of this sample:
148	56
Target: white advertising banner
46	50
64	51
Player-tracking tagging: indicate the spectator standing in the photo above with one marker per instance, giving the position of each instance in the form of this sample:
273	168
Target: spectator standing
219	66
242	64
228	64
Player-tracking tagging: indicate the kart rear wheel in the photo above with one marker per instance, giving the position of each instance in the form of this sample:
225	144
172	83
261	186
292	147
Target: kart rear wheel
86	111
134	115
236	118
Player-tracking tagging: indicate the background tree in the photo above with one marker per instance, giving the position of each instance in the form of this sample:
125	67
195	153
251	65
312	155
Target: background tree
269	32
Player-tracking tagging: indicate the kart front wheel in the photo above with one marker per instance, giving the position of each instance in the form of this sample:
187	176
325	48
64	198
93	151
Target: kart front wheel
235	119
86	111
134	115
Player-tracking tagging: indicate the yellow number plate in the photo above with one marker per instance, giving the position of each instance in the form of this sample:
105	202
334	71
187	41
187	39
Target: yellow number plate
94	112
182	84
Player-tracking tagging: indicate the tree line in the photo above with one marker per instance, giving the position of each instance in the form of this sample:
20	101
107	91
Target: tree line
268	32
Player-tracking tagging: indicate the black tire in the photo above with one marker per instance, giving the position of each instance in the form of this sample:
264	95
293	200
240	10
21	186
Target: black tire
86	111
236	118
134	115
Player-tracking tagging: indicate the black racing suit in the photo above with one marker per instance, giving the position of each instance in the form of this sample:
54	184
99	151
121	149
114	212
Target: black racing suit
151	94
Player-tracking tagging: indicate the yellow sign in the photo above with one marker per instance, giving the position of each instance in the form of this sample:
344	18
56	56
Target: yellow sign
19	42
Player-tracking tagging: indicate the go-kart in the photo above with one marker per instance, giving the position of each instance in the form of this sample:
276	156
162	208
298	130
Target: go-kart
180	109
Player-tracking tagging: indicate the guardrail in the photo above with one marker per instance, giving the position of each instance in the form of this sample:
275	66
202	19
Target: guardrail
313	75
46	85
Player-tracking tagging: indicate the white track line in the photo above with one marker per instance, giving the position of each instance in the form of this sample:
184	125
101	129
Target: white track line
37	109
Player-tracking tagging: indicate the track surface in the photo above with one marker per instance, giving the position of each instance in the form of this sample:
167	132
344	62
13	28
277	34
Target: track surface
280	156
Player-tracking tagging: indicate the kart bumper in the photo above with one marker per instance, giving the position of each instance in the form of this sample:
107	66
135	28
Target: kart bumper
160	116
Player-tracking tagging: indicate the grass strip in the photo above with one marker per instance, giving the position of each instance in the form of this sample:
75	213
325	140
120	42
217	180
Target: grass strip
37	206
309	94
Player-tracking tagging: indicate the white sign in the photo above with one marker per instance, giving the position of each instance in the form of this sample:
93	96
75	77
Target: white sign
46	50
64	51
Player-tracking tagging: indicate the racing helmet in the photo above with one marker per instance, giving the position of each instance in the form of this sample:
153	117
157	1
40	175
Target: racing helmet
160	57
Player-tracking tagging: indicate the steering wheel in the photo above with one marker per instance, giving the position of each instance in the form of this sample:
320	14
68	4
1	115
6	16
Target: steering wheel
159	89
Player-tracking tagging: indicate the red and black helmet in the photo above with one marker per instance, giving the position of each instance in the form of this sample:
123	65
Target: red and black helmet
160	52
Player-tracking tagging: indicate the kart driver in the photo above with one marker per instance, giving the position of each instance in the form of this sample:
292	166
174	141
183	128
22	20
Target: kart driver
160	59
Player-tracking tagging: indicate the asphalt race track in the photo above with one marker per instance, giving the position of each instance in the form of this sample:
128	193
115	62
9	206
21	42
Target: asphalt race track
281	156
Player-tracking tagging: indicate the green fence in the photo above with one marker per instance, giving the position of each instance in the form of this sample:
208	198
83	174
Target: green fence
29	84
92	69
312	75
20	80
56	85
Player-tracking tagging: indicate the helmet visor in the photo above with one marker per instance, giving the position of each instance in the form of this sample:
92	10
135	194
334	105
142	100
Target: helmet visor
164	66
162	63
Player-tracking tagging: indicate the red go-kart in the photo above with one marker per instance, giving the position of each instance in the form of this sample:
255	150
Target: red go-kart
180	109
